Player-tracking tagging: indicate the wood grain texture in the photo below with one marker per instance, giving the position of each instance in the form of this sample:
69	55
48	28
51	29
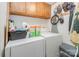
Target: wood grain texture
7	27
43	10
17	8
32	9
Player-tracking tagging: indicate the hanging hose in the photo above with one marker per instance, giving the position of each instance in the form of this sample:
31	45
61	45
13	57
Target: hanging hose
70	19
76	54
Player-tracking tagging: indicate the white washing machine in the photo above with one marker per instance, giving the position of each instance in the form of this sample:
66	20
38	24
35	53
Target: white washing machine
52	43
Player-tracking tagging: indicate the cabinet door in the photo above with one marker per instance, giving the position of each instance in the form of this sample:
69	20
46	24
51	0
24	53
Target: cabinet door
31	9
43	10
52	46
17	8
40	9
47	11
33	49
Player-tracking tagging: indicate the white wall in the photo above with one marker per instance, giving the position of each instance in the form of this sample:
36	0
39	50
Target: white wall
3	13
31	21
63	28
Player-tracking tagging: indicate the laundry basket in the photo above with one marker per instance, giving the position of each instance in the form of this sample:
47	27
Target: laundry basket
15	35
67	50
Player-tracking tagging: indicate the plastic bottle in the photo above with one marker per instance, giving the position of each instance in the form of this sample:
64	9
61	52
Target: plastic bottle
38	29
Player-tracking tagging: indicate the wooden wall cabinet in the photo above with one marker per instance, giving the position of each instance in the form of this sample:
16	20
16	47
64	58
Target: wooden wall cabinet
43	10
17	8
33	9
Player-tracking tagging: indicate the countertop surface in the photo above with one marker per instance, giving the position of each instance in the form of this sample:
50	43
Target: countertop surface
23	41
49	34
28	40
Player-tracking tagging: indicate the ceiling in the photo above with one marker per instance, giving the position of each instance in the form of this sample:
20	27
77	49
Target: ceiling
51	3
